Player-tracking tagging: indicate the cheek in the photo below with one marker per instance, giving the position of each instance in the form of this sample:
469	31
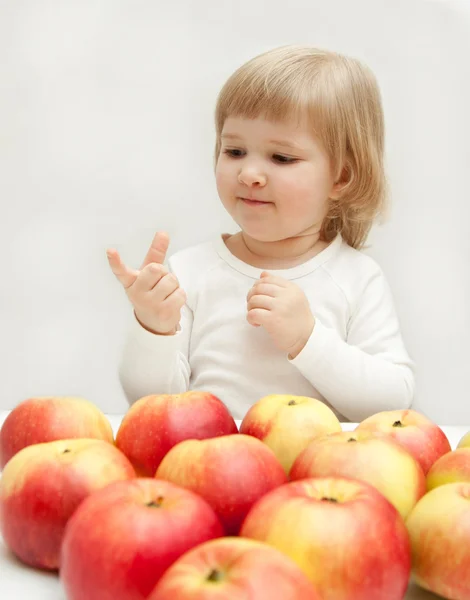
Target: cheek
295	192
304	188
224	177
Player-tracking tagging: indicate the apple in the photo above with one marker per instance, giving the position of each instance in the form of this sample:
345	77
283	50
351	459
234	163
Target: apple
419	435
231	472
450	468
344	534
374	458
465	441
122	539
439	529
288	423
42	486
49	418
234	568
156	423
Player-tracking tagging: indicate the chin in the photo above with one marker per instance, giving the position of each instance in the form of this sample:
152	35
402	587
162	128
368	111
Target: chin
254	233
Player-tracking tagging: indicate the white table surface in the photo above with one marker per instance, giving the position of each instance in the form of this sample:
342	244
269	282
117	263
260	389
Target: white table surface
18	582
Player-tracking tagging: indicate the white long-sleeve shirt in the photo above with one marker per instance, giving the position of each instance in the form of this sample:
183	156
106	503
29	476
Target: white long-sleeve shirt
355	359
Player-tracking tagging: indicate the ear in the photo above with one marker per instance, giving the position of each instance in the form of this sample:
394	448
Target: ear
345	179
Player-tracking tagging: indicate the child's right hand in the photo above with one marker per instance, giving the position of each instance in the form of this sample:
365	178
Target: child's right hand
154	292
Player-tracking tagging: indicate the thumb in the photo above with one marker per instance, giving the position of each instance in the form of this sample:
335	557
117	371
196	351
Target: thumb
158	249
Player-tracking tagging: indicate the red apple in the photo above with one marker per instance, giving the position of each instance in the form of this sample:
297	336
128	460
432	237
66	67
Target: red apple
156	423
50	418
231	472
345	536
373	458
122	539
419	435
235	569
439	529
288	423
450	468
42	486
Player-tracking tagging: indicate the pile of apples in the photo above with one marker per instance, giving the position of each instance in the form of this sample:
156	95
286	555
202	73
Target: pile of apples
182	504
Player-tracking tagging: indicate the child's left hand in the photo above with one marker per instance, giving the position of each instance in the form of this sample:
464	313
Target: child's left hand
282	308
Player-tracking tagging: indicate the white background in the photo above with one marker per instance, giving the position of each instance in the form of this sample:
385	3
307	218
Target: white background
106	135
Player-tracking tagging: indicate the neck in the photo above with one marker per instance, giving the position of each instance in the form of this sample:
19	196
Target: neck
285	253
294	247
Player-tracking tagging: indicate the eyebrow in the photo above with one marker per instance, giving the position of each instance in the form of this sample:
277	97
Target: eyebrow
284	143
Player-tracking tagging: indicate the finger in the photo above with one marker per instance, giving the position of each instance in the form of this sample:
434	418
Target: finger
158	249
149	277
176	300
273	279
123	273
264	289
257	316
265	302
166	286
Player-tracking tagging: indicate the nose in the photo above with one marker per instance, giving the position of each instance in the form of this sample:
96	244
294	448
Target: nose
252	176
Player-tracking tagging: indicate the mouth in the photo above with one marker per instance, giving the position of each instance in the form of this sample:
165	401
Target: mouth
254	202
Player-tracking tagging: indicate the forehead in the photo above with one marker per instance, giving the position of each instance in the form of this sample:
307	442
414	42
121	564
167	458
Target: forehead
295	131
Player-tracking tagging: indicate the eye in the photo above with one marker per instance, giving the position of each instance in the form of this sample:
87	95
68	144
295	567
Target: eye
234	152
285	160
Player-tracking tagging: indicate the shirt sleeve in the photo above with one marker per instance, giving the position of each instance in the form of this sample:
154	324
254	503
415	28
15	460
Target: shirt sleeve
156	364
369	372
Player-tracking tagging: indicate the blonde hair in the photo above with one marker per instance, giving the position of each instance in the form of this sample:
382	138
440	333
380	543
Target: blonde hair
342	100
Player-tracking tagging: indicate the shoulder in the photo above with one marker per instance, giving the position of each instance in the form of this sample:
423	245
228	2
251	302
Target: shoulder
191	265
201	255
348	258
355	273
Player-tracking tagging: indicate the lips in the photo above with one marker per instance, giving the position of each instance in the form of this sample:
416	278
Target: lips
254	201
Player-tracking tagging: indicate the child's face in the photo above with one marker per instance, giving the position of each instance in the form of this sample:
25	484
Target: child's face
280	165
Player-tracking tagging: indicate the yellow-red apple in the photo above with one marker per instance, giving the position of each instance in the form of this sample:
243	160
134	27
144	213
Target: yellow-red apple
374	458
237	569
450	468
122	539
419	435
49	418
439	529
42	486
231	472
464	441
346	537
156	423
288	423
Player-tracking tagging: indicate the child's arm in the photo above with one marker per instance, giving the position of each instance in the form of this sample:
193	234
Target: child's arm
156	364
154	360
372	371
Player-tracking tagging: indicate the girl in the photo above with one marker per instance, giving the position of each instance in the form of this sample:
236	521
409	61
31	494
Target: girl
288	304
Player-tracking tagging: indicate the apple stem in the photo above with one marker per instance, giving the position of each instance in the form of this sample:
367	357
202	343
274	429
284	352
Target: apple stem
352	440
155	503
327	499
398	424
215	575
66	450
291	403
